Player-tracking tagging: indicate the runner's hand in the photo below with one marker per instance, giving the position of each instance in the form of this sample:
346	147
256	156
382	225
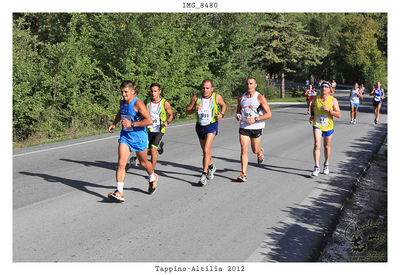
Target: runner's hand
219	116
126	123
110	129
238	117
250	120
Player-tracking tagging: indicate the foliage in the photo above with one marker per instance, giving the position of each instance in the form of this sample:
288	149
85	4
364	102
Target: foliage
67	67
285	46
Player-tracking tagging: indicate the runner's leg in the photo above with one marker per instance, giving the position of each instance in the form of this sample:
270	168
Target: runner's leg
327	148
317	145
206	147
154	156
123	155
378	109
244	145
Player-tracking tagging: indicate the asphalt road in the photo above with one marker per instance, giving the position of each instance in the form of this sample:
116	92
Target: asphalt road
61	212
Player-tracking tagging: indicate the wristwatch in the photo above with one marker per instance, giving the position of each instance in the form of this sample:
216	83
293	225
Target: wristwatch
256	119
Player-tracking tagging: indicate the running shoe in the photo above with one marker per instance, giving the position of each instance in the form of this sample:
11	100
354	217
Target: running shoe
326	170
210	172
153	185
376	121
134	161
117	196
161	149
351	121
260	157
354	121
203	179
316	171
242	177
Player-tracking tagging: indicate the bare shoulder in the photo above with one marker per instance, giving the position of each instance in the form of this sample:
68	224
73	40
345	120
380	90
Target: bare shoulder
261	98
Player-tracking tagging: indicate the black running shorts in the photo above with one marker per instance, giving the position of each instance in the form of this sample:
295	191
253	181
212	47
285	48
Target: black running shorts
155	139
252	133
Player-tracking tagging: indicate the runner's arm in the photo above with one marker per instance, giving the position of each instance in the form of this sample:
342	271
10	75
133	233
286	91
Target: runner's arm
360	94
190	109
372	92
220	101
239	109
264	104
168	108
336	110
116	120
312	110
141	108
383	93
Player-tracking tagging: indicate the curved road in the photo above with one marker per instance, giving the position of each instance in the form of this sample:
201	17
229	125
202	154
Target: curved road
61	212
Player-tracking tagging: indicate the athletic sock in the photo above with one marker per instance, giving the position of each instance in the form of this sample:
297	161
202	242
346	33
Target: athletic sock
120	186
152	177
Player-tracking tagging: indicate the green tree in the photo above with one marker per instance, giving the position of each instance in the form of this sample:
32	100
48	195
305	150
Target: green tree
284	46
358	54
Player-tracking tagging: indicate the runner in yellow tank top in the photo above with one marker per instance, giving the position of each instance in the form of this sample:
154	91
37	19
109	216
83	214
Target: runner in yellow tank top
323	108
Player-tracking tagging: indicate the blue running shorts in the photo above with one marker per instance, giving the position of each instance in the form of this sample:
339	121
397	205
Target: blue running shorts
136	140
325	133
202	131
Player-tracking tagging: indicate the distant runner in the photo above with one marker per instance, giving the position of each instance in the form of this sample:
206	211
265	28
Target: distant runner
333	86
205	105
310	93
324	108
379	94
355	95
362	88
252	111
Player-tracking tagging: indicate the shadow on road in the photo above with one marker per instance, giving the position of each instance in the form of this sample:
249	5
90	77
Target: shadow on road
300	237
273	168
80	185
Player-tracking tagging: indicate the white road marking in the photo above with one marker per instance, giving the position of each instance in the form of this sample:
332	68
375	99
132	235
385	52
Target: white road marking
90	141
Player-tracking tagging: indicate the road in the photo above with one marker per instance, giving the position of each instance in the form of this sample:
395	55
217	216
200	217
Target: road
61	212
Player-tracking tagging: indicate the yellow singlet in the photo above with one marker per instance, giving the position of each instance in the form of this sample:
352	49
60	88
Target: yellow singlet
322	119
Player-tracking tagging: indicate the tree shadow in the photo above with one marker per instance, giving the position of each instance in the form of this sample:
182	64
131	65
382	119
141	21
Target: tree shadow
302	236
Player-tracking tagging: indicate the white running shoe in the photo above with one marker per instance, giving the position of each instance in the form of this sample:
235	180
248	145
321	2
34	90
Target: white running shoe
326	170
203	179
210	172
316	171
354	121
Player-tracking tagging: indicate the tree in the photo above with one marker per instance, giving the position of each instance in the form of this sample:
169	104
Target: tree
358	53
284	46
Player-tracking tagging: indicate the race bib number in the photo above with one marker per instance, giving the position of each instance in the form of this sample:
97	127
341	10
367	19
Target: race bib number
155	127
322	120
248	112
204	117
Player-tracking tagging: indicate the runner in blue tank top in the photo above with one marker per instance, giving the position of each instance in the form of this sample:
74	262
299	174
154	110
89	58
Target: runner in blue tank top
133	137
379	94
